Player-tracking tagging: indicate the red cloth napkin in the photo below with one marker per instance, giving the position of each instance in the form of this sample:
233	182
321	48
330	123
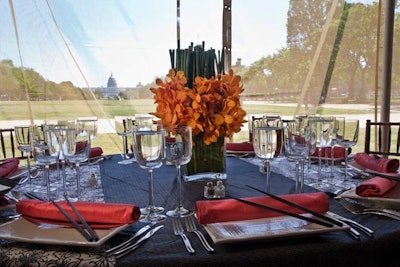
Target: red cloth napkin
212	211
97	215
8	166
376	163
240	147
376	187
94	151
338	152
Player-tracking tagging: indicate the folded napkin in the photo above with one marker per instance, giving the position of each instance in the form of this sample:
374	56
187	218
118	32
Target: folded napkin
248	147
8	166
376	187
338	152
97	215
94	151
212	211
376	163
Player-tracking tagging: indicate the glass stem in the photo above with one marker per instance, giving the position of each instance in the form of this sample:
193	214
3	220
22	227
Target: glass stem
332	161
78	180
150	181
178	176
301	175
319	162
345	162
297	176
28	163
268	171
47	178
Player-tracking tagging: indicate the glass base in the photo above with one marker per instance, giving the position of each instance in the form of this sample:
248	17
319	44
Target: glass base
346	185
179	212
205	176
153	218
146	210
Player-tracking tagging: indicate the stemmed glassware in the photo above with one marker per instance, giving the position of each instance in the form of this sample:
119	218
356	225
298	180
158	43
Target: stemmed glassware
23	135
348	137
267	142
149	153
87	128
178	151
322	127
76	149
123	127
46	153
296	148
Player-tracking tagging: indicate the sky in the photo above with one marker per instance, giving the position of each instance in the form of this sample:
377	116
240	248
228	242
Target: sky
88	40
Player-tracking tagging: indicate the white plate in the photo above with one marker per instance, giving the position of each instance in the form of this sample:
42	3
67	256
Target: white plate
391	201
17	173
266	229
22	230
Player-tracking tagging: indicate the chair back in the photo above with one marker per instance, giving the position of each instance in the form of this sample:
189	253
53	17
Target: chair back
387	141
9	144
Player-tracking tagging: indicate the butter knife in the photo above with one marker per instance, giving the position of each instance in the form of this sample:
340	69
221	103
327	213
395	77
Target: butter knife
130	248
125	243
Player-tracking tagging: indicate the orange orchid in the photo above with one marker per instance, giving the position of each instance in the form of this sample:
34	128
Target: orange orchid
211	107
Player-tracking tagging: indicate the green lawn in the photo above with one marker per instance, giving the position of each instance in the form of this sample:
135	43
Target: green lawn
111	142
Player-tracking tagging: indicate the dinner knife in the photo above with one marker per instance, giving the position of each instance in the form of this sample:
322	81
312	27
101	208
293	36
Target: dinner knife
125	243
128	249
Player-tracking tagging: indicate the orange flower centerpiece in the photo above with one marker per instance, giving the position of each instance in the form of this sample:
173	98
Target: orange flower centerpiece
211	107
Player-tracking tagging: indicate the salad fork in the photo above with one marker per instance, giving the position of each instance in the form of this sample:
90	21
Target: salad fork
178	230
192	228
359	208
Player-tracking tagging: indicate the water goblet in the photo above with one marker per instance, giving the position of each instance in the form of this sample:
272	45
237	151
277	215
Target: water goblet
149	153
296	149
348	137
87	127
23	136
76	149
47	153
123	127
267	142
178	151
322	127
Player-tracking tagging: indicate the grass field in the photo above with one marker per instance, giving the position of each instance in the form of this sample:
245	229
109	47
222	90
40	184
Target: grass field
111	142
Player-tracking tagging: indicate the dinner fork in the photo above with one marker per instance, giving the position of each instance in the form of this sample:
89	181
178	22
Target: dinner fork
192	228
178	230
358	208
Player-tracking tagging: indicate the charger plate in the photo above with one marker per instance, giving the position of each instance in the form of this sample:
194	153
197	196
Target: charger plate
22	230
390	201
266	229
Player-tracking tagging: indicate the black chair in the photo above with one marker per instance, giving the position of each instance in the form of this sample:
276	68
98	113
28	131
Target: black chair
9	144
389	131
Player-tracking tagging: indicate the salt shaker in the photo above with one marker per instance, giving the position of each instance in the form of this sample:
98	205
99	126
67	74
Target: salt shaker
219	190
209	190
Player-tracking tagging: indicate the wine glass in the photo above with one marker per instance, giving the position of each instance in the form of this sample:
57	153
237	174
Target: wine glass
296	148
46	153
267	142
87	127
23	136
178	151
149	152
123	127
76	149
322	127
348	137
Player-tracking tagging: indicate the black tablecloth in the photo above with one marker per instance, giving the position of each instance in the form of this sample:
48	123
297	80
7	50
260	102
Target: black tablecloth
129	184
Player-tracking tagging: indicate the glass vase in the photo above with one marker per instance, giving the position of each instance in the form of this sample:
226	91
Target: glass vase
208	161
